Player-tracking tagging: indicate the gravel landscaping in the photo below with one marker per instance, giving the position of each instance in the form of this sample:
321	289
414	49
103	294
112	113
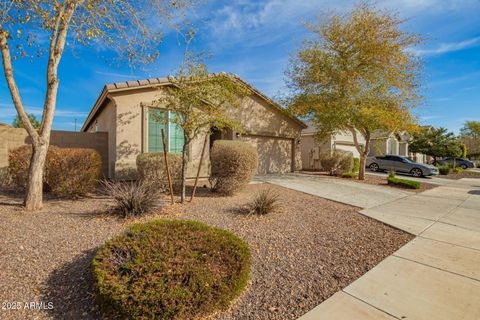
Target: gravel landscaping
301	254
460	175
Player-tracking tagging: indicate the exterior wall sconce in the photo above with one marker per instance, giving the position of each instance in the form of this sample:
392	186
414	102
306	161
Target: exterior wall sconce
237	135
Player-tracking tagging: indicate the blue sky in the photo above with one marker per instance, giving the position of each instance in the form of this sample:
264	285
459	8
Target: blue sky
254	39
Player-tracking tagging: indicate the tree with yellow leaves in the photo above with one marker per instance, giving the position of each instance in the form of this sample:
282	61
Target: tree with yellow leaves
358	75
131	28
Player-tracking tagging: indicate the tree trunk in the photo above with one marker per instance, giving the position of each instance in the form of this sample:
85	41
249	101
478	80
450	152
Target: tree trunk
34	196
363	158
361	171
184	171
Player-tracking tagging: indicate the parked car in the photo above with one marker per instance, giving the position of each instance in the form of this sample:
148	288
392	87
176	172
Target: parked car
459	162
400	164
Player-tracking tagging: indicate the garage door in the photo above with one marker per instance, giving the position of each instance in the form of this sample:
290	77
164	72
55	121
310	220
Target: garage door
274	154
347	148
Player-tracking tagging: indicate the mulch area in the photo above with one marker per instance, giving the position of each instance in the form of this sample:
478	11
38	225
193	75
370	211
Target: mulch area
302	254
379	181
460	175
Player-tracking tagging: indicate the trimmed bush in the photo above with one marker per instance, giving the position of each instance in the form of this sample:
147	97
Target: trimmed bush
151	167
444	170
337	162
132	198
356	165
349	175
18	164
233	165
72	171
170	269
264	202
5	179
69	172
457	170
409	184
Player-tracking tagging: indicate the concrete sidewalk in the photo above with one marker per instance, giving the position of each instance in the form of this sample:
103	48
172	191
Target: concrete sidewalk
435	276
345	191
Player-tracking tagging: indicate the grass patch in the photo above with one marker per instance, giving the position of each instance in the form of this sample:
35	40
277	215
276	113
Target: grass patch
170	269
409	184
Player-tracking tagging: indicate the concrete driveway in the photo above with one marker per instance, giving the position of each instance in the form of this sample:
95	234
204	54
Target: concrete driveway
345	191
435	276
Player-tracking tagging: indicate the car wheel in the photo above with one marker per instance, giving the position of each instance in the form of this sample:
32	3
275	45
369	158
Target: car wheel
416	172
463	166
374	167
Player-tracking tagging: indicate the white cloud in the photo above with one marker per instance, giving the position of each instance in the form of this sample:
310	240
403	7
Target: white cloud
118	75
8	110
449	47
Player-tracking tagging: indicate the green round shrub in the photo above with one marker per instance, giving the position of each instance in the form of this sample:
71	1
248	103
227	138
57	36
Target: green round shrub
444	170
233	165
170	269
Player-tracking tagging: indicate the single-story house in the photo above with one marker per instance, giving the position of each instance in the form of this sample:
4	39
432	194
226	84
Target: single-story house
311	147
389	143
383	143
124	110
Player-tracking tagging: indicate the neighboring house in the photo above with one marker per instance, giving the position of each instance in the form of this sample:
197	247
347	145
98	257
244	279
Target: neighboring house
312	148
383	143
124	110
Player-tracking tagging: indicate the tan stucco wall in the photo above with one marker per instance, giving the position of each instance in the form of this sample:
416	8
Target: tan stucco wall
340	141
256	115
106	122
311	148
378	147
11	138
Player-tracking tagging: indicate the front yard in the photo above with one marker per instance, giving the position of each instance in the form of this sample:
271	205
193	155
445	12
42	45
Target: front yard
301	254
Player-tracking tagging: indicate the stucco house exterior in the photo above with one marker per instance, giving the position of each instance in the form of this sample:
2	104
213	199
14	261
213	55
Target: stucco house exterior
125	109
383	143
311	147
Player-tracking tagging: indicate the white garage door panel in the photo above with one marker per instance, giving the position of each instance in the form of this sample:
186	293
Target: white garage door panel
274	155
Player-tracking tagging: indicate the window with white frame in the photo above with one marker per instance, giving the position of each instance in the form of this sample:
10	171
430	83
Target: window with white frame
159	119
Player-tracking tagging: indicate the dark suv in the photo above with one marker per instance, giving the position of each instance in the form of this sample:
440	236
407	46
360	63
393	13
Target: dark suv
459	162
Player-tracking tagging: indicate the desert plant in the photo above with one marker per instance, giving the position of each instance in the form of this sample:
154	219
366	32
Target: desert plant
264	202
233	164
132	198
5	178
151	167
409	184
18	163
72	172
170	269
391	173
337	162
444	170
356	164
69	172
457	170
